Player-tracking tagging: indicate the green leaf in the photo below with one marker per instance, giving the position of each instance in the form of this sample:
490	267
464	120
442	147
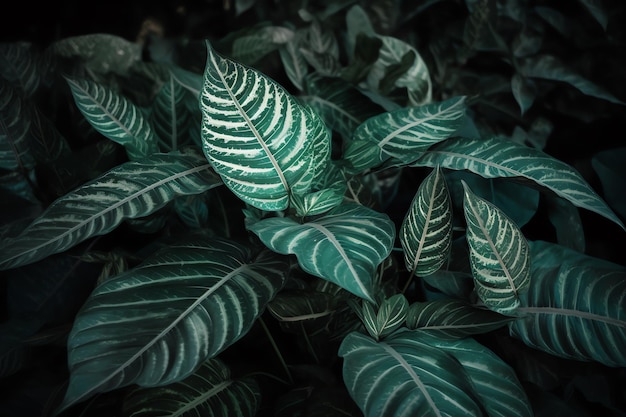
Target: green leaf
574	307
345	246
402	375
210	391
261	41
157	323
499	254
318	202
493	158
523	91
296	67
426	231
597	8
131	190
19	66
254	134
15	130
611	171
170	116
452	319
406	133
391	314
115	117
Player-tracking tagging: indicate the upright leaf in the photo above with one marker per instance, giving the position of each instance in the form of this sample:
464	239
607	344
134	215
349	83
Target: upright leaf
132	190
493	158
254	134
345	246
157	323
170	116
426	231
115	117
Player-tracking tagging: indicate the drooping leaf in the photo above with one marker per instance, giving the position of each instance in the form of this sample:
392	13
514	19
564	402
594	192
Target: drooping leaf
402	375
574	307
406	133
134	189
115	117
499	254
453	319
157	323
254	134
211	391
344	246
170	116
493	158
426	231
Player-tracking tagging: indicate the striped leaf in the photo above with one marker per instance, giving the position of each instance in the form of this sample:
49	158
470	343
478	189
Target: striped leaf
406	133
345	246
115	117
131	190
499	254
426	231
211	392
157	323
170	116
254	134
19	65
495	157
404	376
292	59
574	307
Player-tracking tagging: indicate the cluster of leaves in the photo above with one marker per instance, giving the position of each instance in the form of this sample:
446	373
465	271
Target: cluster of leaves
329	215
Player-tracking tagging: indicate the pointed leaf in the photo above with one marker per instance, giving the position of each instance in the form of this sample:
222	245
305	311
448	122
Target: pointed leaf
426	231
499	254
391	314
133	189
345	246
294	63
210	392
254	134
574	307
597	8
170	116
157	323
493	158
115	117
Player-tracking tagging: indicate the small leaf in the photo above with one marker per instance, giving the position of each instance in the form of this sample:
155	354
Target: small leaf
391	314
115	117
499	254
426	231
293	61
523	92
170	116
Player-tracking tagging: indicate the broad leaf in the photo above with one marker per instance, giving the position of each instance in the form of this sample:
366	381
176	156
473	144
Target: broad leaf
493	158
254	134
426	231
210	391
345	246
115	117
132	190
499	254
574	307
157	323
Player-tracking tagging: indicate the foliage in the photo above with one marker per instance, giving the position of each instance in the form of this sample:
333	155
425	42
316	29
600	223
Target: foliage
377	208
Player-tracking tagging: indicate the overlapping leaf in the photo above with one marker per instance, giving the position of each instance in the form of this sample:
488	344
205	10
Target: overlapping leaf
156	324
254	134
19	66
499	254
131	190
170	116
426	231
344	246
495	157
574	307
115	117
210	391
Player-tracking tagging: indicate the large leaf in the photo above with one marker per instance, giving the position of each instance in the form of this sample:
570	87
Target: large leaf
115	117
345	246
426	231
495	157
406	133
404	376
210	391
157	323
132	190
574	307
254	134
499	254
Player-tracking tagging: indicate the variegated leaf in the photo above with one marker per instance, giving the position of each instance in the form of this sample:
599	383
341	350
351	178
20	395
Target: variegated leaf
254	134
345	246
496	157
132	190
157	323
115	117
426	231
391	314
499	254
293	61
170	116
